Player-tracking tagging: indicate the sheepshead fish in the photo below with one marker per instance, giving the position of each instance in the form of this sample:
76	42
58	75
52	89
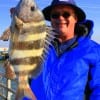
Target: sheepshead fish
29	42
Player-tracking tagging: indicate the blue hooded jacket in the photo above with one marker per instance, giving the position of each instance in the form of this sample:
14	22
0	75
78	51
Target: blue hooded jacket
66	75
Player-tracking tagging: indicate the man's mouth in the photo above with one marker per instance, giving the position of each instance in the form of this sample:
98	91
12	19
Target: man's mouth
62	23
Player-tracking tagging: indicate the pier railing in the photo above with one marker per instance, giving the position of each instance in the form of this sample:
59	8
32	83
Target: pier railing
7	87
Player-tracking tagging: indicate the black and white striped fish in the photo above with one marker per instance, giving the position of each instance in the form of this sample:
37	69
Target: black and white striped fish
28	42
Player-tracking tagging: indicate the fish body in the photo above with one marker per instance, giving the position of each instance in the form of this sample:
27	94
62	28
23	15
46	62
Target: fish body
28	42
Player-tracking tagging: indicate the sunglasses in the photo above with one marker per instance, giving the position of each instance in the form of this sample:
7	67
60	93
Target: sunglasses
58	14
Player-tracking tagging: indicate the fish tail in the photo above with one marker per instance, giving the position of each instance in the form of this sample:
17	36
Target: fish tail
24	92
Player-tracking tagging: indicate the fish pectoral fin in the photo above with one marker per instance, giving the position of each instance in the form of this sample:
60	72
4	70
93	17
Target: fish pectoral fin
18	22
9	72
6	35
23	92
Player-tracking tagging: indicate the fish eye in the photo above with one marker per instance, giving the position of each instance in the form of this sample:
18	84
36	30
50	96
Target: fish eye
32	8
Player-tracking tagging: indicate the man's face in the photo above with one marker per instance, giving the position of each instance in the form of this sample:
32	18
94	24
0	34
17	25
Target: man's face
63	19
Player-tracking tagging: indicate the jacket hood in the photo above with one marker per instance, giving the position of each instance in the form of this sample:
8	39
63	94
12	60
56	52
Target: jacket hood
84	28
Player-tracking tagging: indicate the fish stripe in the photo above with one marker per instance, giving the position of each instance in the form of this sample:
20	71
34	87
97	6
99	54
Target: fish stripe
42	22
26	53
28	45
36	29
25	61
29	37
24	68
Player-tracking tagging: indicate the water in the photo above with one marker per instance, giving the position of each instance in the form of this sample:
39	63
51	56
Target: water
12	84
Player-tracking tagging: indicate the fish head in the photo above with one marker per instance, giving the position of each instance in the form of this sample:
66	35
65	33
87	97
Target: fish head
28	11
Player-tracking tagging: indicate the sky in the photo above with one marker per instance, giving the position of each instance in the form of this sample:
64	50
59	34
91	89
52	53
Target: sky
91	8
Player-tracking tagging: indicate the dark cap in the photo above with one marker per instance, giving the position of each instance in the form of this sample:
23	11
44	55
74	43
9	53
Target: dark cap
78	11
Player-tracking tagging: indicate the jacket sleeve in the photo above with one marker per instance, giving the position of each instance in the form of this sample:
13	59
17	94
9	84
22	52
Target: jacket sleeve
95	78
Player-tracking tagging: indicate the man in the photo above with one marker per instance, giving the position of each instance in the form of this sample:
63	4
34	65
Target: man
73	61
